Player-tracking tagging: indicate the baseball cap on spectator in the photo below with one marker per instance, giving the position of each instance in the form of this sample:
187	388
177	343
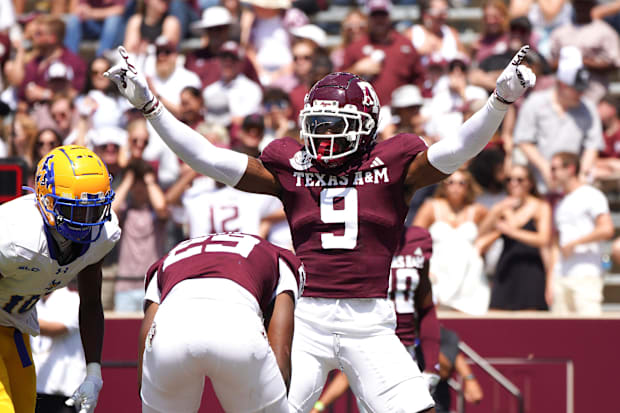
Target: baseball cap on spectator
406	96
311	32
571	71
373	6
58	70
212	17
271	4
294	18
461	60
253	121
231	48
107	135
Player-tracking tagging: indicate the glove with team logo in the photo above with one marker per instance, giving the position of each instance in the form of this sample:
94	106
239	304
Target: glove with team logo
133	85
431	379
85	397
515	79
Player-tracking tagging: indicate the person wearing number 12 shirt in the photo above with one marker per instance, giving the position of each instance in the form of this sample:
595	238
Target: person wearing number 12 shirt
211	305
345	196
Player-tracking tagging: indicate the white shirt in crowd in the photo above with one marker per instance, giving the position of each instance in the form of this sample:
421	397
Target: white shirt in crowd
226	100
575	216
59	361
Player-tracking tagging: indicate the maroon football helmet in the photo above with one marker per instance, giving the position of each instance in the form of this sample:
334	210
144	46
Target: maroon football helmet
340	117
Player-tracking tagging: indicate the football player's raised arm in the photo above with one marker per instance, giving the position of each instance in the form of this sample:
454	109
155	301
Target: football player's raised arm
223	165
280	333
449	154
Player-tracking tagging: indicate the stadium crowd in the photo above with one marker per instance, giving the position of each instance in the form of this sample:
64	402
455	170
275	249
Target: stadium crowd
238	72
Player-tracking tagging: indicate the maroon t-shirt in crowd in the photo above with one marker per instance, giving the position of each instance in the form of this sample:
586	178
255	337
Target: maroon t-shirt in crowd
207	66
36	71
346	224
245	259
413	254
401	64
612	145
297	97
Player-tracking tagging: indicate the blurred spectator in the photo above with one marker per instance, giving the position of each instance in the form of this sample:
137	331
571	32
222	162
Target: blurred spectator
452	217
545	16
55	8
57	352
214	30
22	137
607	165
523	221
101	100
490	67
20	51
192	113
95	20
64	116
168	76
310	32
269	43
144	27
45	141
353	28
583	221
278	114
609	11
489	172
49	34
494	36
384	57
233	96
141	207
433	39
406	117
452	94
251	134
615	251
599	45
559	112
303	53
452	360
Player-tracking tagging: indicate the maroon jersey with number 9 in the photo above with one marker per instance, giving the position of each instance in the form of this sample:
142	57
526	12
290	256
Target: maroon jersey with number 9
345	222
248	260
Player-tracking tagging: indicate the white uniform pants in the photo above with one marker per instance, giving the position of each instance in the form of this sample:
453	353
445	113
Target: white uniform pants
194	338
356	336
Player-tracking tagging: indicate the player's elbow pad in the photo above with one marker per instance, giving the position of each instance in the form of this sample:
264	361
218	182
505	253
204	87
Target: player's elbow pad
450	153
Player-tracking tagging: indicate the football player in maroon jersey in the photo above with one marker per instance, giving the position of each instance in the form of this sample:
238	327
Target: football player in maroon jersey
204	308
345	196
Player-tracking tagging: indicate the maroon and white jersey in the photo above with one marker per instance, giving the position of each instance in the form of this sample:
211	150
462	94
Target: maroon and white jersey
407	264
245	259
346	222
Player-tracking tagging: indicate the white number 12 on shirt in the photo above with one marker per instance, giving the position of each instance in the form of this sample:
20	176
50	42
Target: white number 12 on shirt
347	216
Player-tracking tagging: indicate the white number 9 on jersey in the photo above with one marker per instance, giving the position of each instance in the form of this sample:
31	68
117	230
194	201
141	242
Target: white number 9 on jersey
347	216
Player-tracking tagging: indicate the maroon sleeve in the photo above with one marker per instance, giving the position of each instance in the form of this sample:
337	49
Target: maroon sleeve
150	273
351	55
29	76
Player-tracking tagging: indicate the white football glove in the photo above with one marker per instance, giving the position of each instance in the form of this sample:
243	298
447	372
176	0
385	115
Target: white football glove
86	395
131	84
432	380
515	79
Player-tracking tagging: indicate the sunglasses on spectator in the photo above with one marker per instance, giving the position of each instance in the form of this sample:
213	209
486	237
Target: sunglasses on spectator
516	179
108	146
47	144
279	104
60	115
456	182
305	57
164	51
556	167
354	26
